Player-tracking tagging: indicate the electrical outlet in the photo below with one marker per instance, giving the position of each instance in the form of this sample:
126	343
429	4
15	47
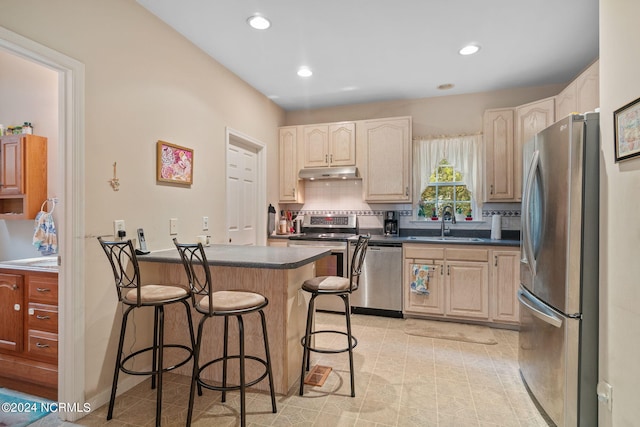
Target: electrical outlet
205	223
118	225
173	226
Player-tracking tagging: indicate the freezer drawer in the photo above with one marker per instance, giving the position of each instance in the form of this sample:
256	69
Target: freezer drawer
548	358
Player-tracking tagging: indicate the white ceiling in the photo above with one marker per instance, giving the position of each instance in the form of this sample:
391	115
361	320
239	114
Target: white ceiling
377	50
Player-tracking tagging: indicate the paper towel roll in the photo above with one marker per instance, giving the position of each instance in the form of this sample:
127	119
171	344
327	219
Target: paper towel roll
496	227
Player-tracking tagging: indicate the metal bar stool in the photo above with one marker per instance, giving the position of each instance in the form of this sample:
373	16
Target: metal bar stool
226	304
341	287
133	294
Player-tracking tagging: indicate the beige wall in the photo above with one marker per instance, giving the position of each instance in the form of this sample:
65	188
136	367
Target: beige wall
144	82
444	115
620	229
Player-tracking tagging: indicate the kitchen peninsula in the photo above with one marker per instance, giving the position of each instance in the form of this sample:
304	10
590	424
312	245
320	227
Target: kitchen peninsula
275	272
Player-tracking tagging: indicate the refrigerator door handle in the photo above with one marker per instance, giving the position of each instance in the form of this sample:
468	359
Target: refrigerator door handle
538	309
526	201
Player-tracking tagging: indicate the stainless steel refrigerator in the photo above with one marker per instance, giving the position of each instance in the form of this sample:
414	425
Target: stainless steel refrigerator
558	342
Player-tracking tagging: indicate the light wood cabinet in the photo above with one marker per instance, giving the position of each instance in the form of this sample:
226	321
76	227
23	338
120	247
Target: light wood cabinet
581	95
465	282
386	161
278	242
458	281
331	144
499	156
505	278
530	119
23	175
290	188
29	332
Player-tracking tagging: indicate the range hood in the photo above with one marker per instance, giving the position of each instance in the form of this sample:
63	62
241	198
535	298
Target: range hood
345	172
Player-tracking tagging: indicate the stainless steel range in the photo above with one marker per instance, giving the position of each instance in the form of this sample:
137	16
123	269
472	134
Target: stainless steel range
330	231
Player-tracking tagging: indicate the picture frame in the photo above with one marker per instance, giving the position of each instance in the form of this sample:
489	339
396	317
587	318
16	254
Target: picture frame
626	131
174	164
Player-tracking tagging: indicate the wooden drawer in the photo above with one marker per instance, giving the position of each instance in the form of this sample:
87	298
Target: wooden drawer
423	251
42	345
42	317
43	289
467	254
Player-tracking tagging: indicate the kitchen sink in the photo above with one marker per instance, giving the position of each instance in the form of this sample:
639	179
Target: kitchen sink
445	239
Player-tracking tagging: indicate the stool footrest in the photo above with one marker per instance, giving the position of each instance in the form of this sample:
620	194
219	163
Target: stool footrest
210	386
153	372
354	342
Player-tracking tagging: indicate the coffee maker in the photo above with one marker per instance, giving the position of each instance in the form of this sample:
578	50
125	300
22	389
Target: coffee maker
390	223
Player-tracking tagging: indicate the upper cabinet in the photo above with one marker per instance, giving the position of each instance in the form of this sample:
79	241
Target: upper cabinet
499	156
23	175
290	187
530	119
385	163
581	95
331	144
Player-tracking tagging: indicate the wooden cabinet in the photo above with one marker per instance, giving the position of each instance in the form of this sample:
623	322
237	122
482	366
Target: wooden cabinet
581	95
530	119
458	281
465	282
385	163
499	156
29	332
11	312
505	280
278	242
23	175
291	189
331	144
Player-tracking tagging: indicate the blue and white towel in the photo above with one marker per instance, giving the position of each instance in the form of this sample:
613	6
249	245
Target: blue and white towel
44	237
420	279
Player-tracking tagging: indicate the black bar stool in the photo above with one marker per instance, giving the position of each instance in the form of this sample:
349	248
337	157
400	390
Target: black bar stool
341	287
133	294
225	304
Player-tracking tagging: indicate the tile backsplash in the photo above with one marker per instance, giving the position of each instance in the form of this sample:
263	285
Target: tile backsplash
345	196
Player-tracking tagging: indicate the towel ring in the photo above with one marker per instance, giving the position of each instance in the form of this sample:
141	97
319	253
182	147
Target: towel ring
53	201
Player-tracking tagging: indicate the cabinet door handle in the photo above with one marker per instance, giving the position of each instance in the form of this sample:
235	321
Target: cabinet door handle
43	289
42	345
326	158
330	158
40	317
442	270
448	270
406	191
14	287
495	262
294	192
491	189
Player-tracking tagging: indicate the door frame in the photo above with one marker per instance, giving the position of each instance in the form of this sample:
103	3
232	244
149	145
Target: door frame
239	139
71	174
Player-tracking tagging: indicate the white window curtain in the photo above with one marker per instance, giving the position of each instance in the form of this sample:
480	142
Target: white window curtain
462	151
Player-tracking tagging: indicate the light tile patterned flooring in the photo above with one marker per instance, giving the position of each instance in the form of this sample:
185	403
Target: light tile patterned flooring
401	380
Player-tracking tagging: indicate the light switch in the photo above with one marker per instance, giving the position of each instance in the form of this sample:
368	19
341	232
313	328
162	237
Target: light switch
205	223
173	226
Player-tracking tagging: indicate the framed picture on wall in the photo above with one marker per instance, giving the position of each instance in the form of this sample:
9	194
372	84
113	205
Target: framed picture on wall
174	163
626	131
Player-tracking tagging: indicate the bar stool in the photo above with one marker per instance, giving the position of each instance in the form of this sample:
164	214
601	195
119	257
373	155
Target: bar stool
133	294
225	304
341	287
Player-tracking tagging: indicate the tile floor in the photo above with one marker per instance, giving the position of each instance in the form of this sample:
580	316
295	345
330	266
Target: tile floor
401	380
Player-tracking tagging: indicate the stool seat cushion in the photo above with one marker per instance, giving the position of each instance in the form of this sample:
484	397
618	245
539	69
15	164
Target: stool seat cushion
232	300
326	283
155	294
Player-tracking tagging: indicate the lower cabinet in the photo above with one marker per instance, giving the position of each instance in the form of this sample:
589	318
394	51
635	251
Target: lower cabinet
29	332
461	282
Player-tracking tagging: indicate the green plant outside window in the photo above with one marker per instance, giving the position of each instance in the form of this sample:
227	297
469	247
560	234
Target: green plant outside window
445	188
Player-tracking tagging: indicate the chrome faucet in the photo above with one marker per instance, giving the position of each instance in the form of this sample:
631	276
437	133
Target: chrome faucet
446	231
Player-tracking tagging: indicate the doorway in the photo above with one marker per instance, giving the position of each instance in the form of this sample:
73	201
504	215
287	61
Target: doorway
70	180
246	189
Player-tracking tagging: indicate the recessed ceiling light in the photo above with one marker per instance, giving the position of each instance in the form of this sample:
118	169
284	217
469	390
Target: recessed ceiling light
305	72
469	49
259	22
446	86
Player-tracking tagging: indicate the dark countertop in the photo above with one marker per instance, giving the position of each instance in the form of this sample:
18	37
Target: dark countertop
272	257
457	240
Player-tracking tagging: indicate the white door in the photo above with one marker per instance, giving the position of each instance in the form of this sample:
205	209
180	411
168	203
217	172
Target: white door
241	195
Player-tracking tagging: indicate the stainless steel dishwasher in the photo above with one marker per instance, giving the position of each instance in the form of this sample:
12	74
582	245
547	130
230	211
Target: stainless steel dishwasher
380	290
